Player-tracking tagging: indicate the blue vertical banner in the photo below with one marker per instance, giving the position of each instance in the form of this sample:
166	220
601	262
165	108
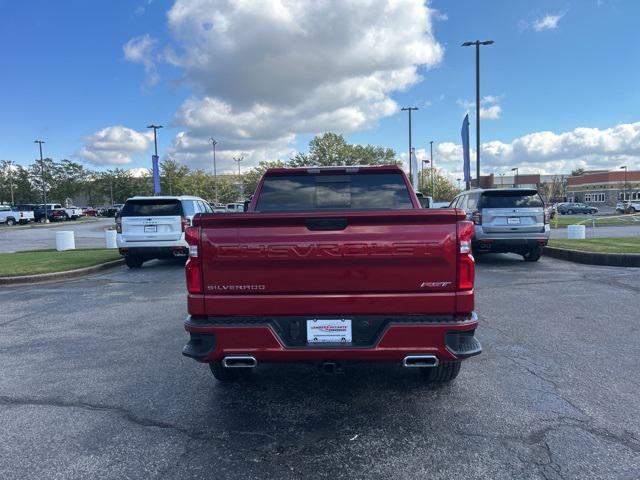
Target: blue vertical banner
466	165
156	174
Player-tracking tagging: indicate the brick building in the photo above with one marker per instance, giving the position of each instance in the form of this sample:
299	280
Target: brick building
603	187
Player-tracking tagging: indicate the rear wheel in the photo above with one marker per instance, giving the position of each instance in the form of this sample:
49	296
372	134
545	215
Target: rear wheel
133	261
570	212
224	374
444	372
533	255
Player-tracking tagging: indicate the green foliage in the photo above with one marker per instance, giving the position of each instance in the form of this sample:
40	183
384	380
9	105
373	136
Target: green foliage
577	172
332	149
69	180
439	187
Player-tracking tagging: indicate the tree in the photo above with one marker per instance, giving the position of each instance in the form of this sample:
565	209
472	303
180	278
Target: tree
444	189
331	149
174	177
577	172
69	179
251	177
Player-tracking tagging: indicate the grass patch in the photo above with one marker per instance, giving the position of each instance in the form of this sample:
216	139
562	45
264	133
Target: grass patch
601	245
562	221
49	261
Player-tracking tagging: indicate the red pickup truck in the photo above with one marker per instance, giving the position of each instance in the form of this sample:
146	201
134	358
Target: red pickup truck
331	265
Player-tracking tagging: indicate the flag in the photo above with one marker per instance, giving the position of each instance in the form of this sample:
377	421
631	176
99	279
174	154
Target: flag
466	164
156	174
414	170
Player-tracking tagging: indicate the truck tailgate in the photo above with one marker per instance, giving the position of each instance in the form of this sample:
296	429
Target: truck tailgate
321	255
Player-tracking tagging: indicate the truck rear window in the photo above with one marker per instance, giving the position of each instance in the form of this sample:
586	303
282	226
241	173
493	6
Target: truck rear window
511	199
361	191
152	208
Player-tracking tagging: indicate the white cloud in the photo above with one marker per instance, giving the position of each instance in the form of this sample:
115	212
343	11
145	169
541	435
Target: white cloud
265	71
489	107
140	50
549	152
114	145
548	22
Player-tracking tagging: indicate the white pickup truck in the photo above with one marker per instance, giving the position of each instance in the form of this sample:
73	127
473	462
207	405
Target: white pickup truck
11	217
73	213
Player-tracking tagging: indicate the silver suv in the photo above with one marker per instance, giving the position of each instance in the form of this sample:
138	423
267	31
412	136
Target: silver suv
507	220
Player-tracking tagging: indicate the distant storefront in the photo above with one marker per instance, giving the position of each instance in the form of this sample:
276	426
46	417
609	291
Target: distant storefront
603	187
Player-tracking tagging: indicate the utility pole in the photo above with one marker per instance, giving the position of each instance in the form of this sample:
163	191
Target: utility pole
238	160
423	163
624	198
111	190
410	109
10	175
459	184
516	181
215	173
154	163
477	43
44	188
433	178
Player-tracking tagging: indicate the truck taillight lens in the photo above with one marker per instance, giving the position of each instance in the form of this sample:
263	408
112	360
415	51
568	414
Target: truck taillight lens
466	263
118	225
193	268
477	217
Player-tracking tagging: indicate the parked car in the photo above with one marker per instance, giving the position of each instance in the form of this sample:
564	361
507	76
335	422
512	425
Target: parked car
571	208
507	220
331	265
11	216
73	213
632	206
235	207
153	227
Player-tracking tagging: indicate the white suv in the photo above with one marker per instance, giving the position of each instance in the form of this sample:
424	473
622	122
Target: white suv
153	227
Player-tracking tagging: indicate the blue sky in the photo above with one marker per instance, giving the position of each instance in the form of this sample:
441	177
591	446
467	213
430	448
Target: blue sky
555	67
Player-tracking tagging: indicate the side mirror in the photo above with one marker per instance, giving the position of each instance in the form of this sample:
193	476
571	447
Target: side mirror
246	205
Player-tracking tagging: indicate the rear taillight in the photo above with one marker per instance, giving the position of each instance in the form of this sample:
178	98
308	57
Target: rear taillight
477	217
466	263
118	225
193	268
185	224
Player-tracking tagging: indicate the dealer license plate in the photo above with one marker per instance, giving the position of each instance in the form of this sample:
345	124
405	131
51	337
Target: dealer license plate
329	331
150	229
513	221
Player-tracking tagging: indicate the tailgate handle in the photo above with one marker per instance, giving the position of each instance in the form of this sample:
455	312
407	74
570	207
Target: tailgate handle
326	223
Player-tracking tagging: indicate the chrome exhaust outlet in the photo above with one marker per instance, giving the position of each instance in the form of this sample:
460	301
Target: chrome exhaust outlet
420	361
239	361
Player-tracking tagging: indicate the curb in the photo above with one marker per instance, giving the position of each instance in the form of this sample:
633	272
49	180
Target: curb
594	258
46	277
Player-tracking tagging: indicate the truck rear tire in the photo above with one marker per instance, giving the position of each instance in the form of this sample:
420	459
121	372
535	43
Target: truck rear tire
224	374
133	261
533	255
444	372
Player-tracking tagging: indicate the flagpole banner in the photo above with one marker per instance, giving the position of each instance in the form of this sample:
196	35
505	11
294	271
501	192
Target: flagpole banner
156	174
414	167
466	156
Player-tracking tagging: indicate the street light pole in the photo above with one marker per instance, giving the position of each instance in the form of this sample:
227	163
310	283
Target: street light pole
238	160
477	44
433	178
155	136
624	198
44	189
423	163
215	173
515	180
10	175
459	184
410	109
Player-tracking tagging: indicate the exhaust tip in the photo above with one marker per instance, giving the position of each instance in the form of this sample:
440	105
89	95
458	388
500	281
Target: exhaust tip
239	361
420	361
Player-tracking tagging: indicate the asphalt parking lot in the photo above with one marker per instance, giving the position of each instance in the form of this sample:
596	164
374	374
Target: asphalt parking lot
93	386
88	234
